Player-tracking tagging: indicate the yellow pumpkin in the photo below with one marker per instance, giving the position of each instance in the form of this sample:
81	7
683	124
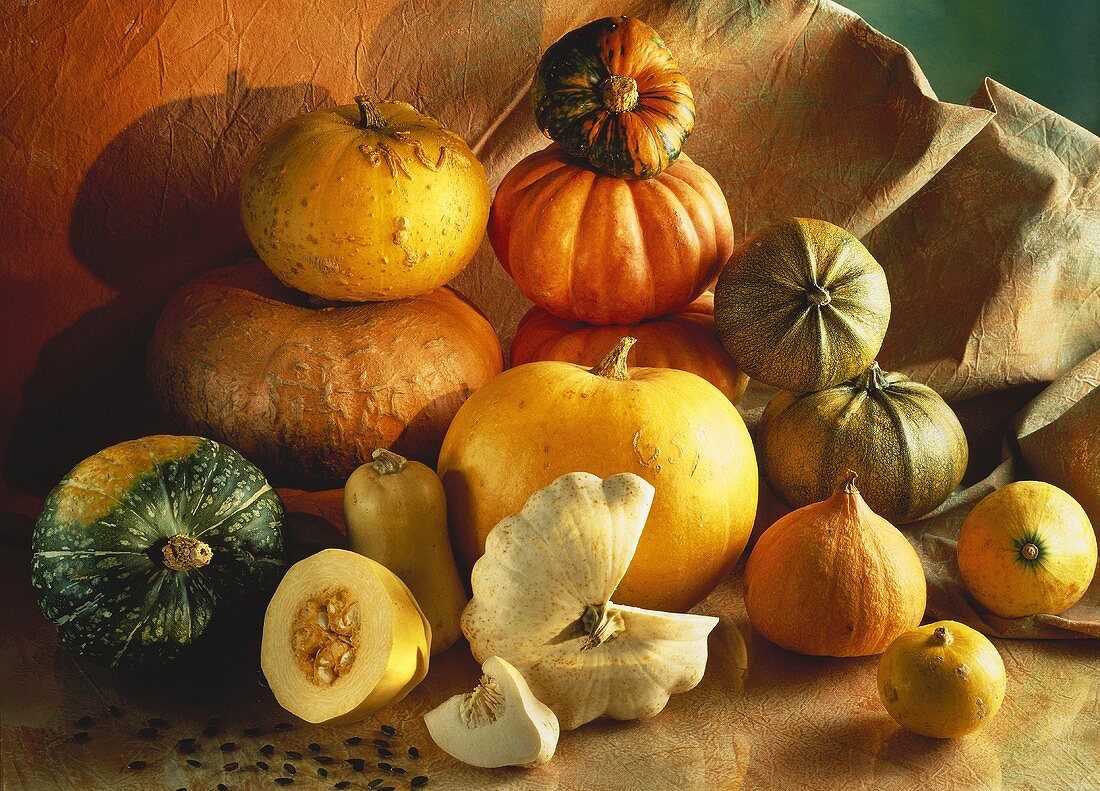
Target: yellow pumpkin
1028	548
941	680
364	202
834	579
536	422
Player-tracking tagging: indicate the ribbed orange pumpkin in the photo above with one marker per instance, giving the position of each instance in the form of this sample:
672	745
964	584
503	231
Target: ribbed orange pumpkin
590	247
685	341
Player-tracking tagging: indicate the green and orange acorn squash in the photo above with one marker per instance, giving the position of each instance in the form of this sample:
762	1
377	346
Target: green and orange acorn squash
611	93
140	544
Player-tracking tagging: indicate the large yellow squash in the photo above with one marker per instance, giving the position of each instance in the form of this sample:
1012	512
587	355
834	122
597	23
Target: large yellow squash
364	203
538	421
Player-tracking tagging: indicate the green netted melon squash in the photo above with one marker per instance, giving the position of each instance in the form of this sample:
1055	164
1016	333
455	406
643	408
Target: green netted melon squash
140	544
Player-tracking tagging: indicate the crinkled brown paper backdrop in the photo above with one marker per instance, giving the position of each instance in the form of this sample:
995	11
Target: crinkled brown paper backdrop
125	125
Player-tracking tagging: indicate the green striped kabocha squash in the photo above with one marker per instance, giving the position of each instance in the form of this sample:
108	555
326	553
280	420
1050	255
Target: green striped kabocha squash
900	437
802	305
140	544
610	92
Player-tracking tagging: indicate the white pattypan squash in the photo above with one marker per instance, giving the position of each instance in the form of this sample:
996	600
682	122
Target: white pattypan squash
542	601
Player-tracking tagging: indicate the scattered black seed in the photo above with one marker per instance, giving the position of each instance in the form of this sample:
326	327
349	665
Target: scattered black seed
289	769
267	749
186	746
148	733
385	767
342	784
387	788
182	789
194	763
253	731
380	743
228	747
322	759
351	741
322	772
114	711
136	765
157	722
375	783
414	753
283	726
384	753
284	781
356	764
314	747
262	766
397	770
294	755
81	737
85	722
419	781
223	787
210	730
231	766
389	730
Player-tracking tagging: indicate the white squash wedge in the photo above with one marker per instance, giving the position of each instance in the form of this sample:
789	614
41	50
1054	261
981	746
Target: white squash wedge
498	723
343	638
542	601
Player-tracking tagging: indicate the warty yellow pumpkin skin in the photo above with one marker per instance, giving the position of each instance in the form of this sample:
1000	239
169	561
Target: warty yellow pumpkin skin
834	579
942	680
1026	549
900	436
536	422
365	202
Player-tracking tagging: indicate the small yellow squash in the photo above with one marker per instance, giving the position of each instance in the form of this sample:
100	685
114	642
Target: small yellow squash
396	514
1028	548
941	680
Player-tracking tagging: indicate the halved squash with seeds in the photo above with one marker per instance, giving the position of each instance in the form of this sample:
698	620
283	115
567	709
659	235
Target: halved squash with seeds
343	638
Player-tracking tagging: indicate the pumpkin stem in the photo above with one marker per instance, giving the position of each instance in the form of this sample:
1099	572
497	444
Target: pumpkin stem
849	482
183	553
619	94
941	636
386	462
1030	551
873	378
601	623
818	296
613	365
369	117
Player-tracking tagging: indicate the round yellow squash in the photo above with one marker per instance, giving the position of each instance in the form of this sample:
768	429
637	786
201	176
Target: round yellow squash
941	680
536	422
1028	548
364	202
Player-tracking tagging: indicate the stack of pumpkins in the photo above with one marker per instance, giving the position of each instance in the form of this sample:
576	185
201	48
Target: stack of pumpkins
612	231
363	212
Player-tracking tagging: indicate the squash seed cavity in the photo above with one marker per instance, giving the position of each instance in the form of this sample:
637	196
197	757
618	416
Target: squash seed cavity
326	635
483	705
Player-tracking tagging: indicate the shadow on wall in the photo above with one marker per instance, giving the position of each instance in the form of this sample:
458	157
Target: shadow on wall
159	205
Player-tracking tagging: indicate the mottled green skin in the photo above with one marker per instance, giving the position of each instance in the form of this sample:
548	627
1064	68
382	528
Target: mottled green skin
570	110
103	583
902	440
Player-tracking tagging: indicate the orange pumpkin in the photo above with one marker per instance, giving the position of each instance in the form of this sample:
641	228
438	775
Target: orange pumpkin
685	341
309	392
536	422
834	579
590	247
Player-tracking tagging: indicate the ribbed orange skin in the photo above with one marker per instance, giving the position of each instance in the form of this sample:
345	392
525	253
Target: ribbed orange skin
593	248
685	341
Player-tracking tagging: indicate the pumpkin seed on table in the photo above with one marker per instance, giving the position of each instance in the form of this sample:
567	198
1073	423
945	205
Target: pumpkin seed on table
136	765
85	722
81	737
351	741
419	781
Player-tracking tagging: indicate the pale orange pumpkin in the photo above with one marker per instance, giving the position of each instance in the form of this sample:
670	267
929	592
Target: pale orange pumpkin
685	341
834	579
536	422
590	247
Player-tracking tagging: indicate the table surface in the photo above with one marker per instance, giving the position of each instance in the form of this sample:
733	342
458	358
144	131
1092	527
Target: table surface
761	718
